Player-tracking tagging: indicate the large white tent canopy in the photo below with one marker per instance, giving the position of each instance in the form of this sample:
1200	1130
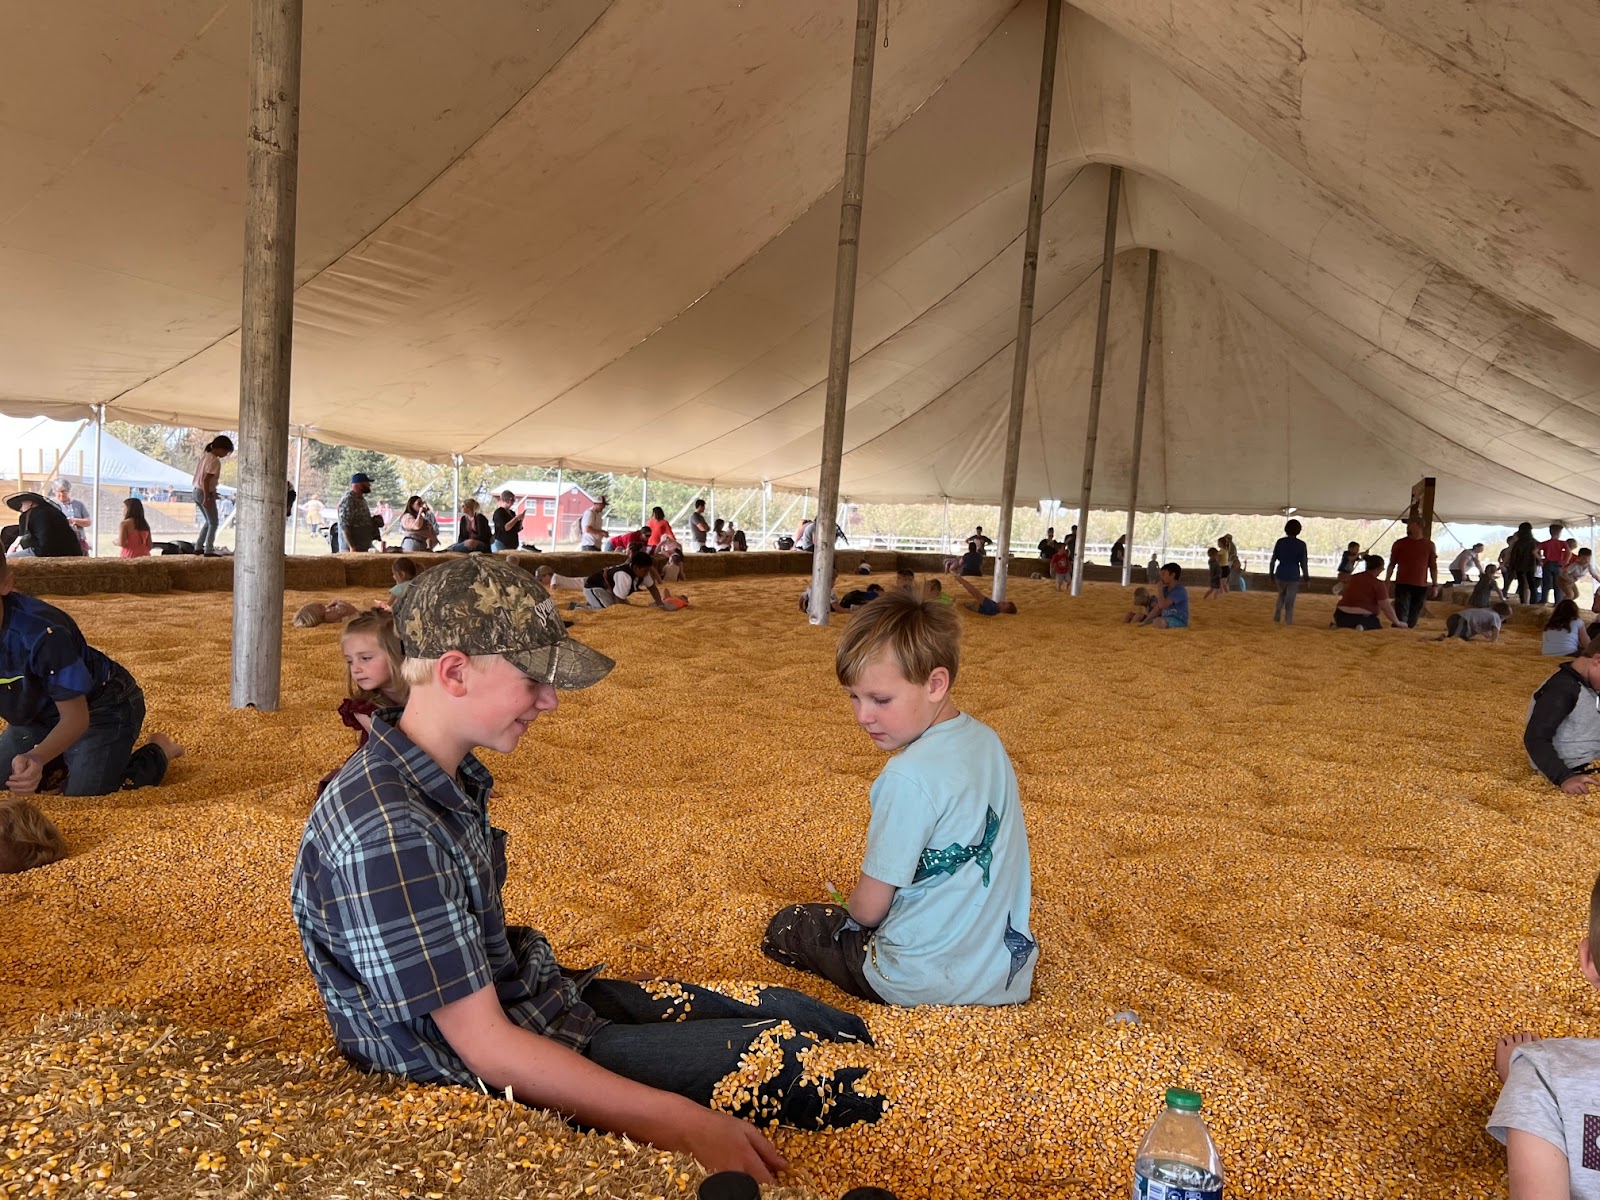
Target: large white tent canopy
601	235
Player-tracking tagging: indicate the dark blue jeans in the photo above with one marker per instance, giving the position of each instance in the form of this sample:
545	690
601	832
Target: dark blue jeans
1549	588
689	1040
103	760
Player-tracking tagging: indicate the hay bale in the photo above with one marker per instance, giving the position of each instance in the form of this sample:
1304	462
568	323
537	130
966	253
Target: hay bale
85	576
308	573
191	573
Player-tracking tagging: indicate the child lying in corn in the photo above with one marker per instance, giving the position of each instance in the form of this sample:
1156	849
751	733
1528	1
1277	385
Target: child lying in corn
940	913
397	896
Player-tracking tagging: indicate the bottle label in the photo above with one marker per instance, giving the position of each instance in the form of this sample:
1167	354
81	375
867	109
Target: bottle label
1152	1189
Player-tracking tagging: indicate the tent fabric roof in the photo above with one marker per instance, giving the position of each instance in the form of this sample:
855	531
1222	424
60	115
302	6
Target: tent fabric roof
601	235
43	442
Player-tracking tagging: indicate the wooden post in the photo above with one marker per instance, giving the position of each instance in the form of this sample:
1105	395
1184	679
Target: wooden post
1030	272
1138	418
266	337
844	305
1092	432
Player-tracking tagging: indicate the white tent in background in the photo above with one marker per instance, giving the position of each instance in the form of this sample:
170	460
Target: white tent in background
39	445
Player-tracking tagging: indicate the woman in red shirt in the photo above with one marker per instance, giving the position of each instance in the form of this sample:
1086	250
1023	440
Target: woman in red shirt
659	527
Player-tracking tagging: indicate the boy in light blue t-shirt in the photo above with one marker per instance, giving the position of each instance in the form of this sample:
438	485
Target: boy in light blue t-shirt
940	913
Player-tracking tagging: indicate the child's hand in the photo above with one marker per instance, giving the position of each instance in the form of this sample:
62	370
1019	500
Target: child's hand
25	775
1577	785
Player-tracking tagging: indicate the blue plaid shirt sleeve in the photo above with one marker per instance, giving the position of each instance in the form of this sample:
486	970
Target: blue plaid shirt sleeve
409	929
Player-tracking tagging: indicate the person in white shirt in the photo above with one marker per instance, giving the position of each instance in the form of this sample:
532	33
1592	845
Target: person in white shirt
593	531
1467	560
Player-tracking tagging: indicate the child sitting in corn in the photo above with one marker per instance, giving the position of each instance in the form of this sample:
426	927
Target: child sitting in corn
1545	1114
940	913
397	893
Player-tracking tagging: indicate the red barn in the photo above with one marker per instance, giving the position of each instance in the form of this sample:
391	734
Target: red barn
546	510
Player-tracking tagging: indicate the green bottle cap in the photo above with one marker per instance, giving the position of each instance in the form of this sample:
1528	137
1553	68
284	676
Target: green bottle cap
1183	1100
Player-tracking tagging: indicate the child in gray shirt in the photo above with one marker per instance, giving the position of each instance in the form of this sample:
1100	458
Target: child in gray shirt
1548	1114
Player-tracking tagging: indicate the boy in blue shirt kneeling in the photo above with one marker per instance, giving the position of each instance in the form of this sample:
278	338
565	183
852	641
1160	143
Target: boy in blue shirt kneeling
940	913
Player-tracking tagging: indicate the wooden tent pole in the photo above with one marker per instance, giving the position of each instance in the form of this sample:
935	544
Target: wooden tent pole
266	337
844	305
1030	273
1092	432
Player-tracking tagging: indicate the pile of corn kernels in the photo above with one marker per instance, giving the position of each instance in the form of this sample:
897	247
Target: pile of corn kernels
1315	866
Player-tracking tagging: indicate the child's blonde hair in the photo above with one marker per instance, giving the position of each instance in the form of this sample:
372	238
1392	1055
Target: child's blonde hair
1141	596
28	838
381	626
918	635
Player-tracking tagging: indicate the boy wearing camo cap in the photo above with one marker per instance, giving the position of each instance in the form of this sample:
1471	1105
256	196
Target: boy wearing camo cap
397	895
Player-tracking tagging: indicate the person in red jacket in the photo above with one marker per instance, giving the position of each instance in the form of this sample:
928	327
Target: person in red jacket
1553	556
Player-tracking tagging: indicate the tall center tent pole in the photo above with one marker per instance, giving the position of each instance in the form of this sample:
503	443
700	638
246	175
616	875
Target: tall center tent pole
644	498
1138	418
766	498
99	446
1092	432
844	306
266	339
455	462
1030	272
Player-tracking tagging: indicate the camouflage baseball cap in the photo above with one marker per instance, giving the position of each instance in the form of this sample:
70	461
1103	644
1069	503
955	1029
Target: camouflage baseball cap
483	605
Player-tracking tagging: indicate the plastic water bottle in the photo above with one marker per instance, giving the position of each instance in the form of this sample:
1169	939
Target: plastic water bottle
1177	1160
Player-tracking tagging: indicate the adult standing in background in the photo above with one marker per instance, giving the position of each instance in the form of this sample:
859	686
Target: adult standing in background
357	527
699	527
1048	545
77	515
1119	550
594	531
1290	567
206	474
1413	565
1522	563
660	528
314	515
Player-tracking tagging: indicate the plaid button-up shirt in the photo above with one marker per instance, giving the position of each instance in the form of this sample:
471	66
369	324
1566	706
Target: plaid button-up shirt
397	896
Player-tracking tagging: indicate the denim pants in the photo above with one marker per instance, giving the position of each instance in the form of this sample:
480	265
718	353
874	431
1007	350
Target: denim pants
103	760
1287	590
690	1040
822	939
1549	583
205	541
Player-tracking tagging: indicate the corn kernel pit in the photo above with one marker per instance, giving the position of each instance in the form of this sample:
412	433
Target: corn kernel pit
1316	865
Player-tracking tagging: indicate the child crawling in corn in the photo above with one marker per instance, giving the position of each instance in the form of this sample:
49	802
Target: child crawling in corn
1548	1114
940	912
397	896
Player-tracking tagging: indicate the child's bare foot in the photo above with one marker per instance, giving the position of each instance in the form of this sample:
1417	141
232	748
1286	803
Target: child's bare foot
168	747
1504	1047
